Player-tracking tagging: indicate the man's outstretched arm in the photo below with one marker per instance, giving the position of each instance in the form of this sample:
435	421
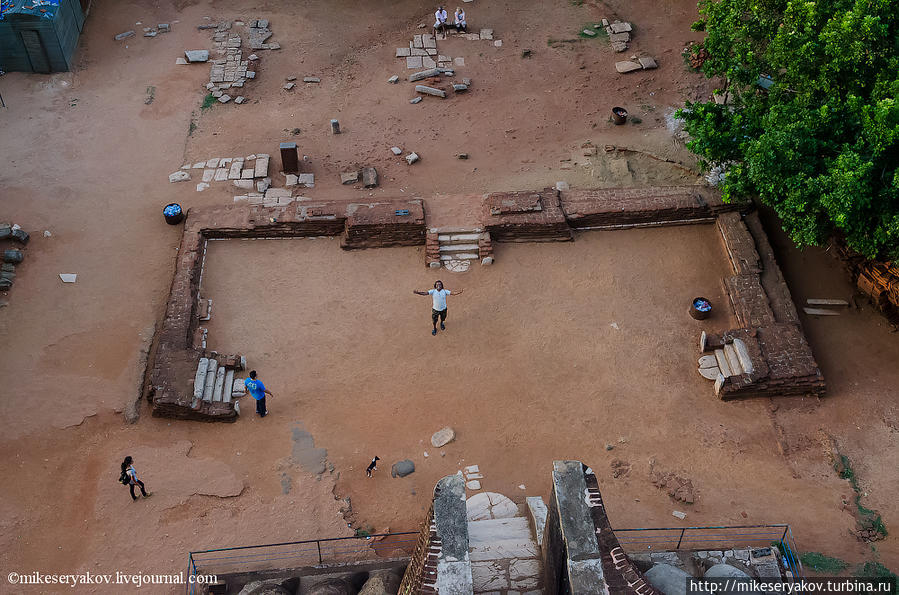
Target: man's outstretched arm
416	292
454	292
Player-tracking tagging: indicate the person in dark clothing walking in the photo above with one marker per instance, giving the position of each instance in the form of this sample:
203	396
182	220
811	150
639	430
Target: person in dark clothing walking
129	470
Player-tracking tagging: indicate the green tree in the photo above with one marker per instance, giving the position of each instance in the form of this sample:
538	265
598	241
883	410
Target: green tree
821	145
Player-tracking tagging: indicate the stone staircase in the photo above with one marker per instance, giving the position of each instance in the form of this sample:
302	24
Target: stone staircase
455	247
504	554
215	383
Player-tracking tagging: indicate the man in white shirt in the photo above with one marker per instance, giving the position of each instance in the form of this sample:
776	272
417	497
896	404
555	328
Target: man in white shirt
438	295
440	20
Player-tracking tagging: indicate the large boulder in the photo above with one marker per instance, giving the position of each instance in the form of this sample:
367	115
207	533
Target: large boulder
381	582
402	468
443	437
667	579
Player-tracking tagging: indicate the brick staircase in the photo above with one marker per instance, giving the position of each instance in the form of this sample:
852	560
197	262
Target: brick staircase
455	247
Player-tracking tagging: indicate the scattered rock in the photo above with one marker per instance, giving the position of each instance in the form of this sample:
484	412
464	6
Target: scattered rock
202	186
462	156
224	99
459	88
473	485
498	43
610	446
402	468
618	27
679	514
369	177
415	100
124	35
412	157
307	180
291	180
626	66
619	46
396	150
620	468
197	55
394	79
311	79
252	57
424	74
20	235
589	32
562	186
239	99
179	176
648	63
290	86
291	78
430	91
350	177
68	277
443	436
335	127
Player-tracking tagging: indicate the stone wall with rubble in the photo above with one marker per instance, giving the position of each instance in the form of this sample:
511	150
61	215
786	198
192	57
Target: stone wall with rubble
768	355
182	342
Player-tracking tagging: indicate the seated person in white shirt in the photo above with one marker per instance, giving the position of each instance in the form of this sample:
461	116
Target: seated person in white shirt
440	20
459	20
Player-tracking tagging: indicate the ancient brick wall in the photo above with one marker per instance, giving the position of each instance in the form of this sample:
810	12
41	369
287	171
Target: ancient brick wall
629	207
395	223
525	216
783	363
383	223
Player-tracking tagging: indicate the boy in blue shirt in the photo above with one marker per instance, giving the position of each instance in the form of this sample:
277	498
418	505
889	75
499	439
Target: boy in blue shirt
258	391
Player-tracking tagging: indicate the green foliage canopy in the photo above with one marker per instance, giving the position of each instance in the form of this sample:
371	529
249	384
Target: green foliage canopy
822	145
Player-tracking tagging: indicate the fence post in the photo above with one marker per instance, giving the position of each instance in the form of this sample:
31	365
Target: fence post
319	544
682	531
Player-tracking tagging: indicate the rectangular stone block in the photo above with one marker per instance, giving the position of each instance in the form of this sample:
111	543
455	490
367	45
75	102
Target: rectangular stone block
413	62
261	169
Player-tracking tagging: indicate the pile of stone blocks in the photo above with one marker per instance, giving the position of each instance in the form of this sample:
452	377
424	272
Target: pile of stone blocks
259	33
526	216
244	172
230	71
421	53
619	34
380	224
272	197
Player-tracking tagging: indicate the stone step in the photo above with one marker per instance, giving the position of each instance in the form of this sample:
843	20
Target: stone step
461	237
218	390
455	230
229	383
459	256
501	539
209	384
722	362
733	361
200	378
458	247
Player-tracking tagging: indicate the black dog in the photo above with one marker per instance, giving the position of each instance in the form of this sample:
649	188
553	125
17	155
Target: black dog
372	466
